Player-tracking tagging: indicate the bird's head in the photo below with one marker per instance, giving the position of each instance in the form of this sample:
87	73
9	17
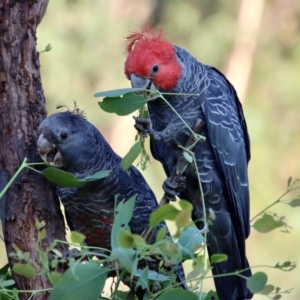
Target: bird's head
151	61
66	140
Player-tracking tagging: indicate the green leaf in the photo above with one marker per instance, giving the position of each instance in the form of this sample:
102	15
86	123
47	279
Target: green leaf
257	282
25	270
187	156
165	212
96	176
217	258
169	251
161	234
186	205
121	295
117	92
61	178
267	223
83	281
65	179
42	234
177	294
277	297
44	259
131	156
126	258
152	275
6	283
289	181
212	295
286	266
55	277
123	215
122	106
201	295
143	280
267	289
190	241
125	239
183	219
77	237
295	202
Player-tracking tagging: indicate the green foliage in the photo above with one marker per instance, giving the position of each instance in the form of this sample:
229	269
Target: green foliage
131	156
65	179
129	250
122	102
257	282
81	281
48	48
268	222
177	294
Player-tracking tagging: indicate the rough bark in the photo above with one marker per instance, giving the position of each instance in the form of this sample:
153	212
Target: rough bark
22	107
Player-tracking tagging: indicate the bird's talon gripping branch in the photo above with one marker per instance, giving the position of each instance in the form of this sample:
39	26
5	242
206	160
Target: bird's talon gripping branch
172	186
144	127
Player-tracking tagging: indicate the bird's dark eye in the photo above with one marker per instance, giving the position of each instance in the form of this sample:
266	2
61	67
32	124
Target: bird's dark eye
63	136
155	69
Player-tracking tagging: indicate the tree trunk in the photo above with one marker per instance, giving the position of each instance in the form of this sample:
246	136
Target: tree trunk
240	60
22	107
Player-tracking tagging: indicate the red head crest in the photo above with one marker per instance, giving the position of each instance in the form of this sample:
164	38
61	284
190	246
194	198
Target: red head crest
146	49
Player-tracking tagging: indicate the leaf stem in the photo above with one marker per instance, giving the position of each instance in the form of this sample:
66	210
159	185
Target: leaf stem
178	115
23	165
272	204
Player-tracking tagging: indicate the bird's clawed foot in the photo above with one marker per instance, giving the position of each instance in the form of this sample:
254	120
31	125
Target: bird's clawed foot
144	127
173	186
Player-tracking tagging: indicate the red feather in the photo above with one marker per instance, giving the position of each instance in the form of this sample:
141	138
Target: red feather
147	48
147	34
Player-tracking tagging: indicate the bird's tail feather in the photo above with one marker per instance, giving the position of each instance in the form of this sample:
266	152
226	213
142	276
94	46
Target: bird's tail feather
230	287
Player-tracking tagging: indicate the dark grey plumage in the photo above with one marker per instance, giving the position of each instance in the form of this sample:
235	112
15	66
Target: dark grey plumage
221	160
80	149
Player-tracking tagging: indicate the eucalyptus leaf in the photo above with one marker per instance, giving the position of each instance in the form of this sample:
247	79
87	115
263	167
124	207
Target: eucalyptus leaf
188	156
257	282
123	106
152	275
131	156
123	215
127	258
183	219
267	223
267	289
77	237
289	181
143	280
161	234
217	258
7	283
83	281
25	270
165	212
65	179
117	92
190	241
177	294
295	202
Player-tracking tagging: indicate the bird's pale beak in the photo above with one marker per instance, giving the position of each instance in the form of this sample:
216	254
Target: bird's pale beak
144	83
49	152
140	82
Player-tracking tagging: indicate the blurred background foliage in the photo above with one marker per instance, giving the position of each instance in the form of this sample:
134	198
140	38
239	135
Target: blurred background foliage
255	43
